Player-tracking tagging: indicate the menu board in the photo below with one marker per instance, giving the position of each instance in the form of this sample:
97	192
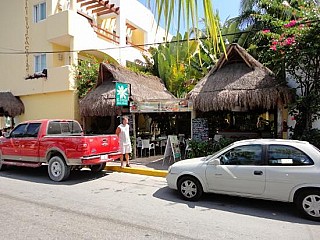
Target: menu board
172	148
200	129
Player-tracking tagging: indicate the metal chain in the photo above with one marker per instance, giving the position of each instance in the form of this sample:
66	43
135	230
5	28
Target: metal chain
26	35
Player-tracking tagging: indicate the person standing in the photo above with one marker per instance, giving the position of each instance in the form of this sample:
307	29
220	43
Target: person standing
124	139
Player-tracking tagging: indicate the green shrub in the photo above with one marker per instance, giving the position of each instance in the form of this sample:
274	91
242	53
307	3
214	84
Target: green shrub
204	148
312	136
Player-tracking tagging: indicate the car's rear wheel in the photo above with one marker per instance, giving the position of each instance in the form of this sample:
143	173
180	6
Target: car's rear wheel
190	188
308	204
97	167
58	169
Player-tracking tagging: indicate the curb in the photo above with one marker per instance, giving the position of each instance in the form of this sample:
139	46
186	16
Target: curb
141	171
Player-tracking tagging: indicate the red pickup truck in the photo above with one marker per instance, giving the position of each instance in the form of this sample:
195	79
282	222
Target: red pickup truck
58	143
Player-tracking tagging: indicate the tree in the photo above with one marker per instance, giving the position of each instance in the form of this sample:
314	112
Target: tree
86	74
290	46
187	11
232	33
181	63
170	63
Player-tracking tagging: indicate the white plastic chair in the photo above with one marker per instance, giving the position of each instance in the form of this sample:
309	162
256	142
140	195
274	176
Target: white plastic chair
147	145
187	149
152	147
162	143
139	143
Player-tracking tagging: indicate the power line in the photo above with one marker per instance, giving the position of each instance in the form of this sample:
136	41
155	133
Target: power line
120	47
19	52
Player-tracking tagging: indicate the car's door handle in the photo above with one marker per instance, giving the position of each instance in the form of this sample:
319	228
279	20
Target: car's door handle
258	173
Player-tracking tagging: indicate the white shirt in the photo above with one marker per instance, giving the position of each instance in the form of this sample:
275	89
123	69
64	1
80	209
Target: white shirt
124	135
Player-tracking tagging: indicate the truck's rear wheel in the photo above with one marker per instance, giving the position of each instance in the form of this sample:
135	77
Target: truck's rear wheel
58	169
97	167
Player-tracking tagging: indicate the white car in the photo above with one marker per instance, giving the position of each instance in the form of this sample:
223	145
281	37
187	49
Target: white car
274	169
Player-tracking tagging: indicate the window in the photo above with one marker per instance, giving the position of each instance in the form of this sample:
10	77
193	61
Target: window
39	12
243	155
54	128
40	63
281	155
75	128
32	130
66	128
18	131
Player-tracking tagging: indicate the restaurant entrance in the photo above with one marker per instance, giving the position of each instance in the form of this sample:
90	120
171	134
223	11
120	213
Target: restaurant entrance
155	120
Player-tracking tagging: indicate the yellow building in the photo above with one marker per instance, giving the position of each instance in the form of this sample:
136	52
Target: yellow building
42	40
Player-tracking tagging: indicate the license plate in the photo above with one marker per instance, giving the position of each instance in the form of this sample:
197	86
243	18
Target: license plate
104	157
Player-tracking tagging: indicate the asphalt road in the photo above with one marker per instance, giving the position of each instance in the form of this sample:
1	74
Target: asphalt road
127	206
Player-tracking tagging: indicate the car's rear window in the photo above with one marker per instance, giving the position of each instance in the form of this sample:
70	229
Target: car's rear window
64	128
280	155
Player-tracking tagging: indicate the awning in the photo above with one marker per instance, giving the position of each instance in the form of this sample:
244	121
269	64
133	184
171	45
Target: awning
10	105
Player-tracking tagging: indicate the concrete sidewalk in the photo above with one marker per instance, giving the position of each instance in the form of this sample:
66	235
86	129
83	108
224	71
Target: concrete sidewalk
150	166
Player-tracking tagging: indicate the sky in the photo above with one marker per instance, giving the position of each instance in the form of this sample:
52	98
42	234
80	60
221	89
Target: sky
227	8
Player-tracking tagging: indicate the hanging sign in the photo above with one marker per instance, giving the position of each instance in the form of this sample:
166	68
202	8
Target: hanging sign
122	94
172	148
169	105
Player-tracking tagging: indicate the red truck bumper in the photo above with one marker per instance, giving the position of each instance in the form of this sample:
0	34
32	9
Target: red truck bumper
100	158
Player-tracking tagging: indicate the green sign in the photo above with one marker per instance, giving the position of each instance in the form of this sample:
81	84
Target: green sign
122	94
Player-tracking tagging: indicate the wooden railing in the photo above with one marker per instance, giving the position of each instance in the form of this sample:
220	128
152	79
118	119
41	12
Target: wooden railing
107	35
136	46
112	37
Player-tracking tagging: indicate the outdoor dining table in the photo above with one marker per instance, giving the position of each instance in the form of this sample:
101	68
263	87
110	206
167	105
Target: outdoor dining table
159	143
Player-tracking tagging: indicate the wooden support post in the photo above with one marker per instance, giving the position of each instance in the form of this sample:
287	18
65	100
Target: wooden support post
134	150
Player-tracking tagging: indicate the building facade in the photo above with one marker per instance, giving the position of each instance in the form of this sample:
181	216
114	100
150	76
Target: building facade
43	39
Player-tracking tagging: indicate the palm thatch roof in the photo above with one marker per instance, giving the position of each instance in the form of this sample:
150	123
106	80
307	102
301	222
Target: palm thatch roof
239	81
10	105
101	100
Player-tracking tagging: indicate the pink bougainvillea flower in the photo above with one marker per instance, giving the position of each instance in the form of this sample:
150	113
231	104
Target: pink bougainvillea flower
289	41
266	31
273	47
292	23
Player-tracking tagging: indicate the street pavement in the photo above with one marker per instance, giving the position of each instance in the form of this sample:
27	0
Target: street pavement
150	166
117	205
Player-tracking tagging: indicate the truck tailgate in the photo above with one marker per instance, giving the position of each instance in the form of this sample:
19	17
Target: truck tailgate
101	144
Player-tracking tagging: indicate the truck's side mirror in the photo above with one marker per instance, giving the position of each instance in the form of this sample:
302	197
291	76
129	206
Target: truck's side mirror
6	134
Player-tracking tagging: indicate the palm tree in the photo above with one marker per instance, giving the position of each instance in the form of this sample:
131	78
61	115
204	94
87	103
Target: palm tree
187	10
232	33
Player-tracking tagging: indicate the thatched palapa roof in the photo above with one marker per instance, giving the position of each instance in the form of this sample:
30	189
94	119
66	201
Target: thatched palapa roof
101	100
238	81
10	105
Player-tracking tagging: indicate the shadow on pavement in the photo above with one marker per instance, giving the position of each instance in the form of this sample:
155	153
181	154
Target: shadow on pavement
40	175
280	211
158	165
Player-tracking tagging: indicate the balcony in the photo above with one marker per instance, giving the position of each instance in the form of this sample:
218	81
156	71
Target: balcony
59	30
59	79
